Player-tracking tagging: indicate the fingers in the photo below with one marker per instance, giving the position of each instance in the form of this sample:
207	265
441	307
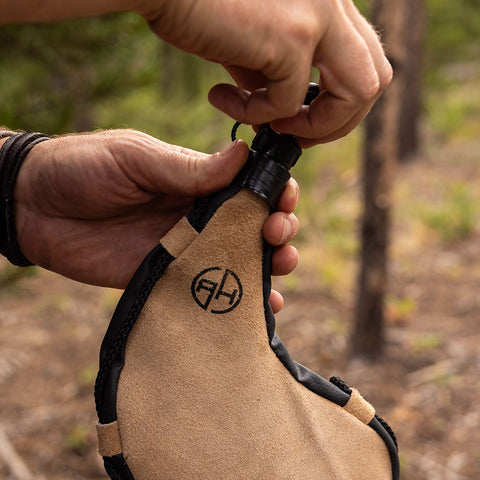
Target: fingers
193	174
371	38
285	260
276	301
353	73
289	200
352	81
280	228
159	167
328	119
339	132
277	89
279	97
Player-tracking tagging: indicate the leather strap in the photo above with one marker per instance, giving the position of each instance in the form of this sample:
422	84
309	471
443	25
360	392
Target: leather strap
359	407
109	440
12	155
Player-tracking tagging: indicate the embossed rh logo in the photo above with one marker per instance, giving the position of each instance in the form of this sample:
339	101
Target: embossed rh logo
217	290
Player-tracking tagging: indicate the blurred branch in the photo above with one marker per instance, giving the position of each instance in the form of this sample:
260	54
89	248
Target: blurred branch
13	461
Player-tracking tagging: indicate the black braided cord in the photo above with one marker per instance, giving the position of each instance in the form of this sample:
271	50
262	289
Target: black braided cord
121	338
388	428
338	382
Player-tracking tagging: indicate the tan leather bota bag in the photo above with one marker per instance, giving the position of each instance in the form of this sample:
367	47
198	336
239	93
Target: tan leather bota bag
194	384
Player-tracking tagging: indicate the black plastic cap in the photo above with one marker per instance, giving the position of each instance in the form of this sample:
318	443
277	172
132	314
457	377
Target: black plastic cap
272	155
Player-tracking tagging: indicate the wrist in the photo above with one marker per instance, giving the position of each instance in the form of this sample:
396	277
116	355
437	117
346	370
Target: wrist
12	154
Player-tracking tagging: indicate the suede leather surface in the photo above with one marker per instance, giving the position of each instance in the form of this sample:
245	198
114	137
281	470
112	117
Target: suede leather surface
203	396
359	407
109	441
177	239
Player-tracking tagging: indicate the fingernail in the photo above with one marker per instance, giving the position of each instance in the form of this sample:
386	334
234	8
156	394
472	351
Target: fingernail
297	193
229	148
287	229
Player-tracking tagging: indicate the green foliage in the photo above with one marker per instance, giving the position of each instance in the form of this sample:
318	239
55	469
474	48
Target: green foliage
54	304
337	325
290	283
363	6
9	274
52	74
453	110
400	309
77	438
455	217
107	72
453	33
87	375
112	72
110	298
427	342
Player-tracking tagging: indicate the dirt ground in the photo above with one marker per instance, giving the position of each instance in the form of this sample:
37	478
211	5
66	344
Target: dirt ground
427	385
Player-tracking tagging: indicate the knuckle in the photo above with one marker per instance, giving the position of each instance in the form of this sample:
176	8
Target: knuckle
304	29
289	109
369	89
385	75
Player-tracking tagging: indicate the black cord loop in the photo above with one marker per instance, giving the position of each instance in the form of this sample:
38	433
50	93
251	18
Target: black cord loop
234	131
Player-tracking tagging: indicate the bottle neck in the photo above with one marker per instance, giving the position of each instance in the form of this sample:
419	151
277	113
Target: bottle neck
266	172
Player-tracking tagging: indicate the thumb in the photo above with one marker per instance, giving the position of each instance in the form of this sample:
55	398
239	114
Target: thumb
190	173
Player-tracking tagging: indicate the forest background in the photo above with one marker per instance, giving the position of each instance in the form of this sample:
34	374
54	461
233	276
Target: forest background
111	72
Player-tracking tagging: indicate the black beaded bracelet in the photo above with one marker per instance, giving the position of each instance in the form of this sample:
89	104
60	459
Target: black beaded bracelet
6	133
12	155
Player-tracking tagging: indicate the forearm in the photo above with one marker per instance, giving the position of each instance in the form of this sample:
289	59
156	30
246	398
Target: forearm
36	11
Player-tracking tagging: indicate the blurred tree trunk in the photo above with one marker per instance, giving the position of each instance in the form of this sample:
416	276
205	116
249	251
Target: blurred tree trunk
411	72
380	157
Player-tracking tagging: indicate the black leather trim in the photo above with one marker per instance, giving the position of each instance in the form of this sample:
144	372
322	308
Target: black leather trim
392	448
205	208
112	351
302	374
117	468
305	376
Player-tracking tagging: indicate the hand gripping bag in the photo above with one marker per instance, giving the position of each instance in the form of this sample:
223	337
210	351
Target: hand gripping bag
193	381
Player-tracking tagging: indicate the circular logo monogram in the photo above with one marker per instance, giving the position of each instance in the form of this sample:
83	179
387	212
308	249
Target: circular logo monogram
217	290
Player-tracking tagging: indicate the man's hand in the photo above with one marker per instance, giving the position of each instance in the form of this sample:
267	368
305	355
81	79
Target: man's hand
269	48
90	207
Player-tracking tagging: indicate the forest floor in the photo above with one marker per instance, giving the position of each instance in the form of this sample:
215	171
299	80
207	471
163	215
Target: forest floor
427	384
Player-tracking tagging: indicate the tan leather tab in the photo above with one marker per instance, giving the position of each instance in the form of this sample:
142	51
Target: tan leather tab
109	441
359	407
178	238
